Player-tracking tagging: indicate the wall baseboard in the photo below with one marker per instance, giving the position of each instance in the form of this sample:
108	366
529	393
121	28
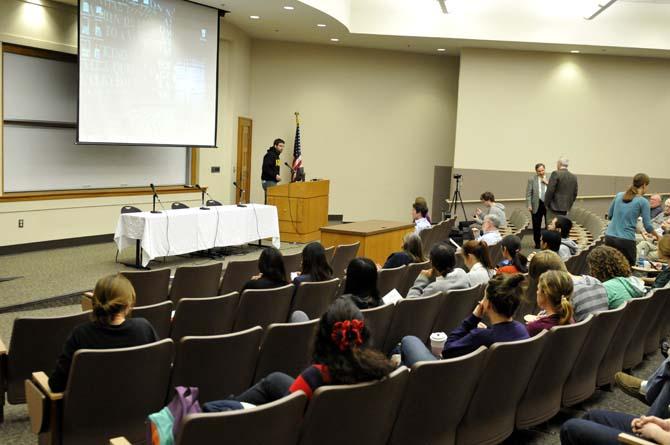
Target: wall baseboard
56	244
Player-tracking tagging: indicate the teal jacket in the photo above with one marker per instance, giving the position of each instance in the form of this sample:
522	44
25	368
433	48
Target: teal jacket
622	289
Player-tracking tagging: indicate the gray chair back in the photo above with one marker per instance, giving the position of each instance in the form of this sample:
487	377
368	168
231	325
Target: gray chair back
219	365
378	320
413	271
581	382
151	286
542	398
428	236
495	251
159	315
490	414
412	316
110	392
292	263
204	316
660	324
287	348
389	279
342	257
528	303
329	252
313	298
236	275
276	422
262	307
456	305
423	418
196	282
35	345
376	402
613	360
635	350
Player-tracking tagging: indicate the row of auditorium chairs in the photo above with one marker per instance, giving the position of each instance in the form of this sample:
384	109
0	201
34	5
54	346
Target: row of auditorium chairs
478	398
436	234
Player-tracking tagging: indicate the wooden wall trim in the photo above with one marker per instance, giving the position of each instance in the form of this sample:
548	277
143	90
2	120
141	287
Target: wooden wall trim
477	201
37	52
94	193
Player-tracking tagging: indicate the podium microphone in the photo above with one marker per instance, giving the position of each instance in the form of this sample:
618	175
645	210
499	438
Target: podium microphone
239	204
289	166
155	197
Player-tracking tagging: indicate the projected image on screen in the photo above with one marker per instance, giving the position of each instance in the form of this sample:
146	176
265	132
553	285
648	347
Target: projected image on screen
147	72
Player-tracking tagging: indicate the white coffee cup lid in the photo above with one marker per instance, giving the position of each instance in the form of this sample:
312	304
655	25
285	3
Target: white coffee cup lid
438	336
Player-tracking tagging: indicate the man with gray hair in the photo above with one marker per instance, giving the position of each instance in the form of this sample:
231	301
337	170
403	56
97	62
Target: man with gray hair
490	231
655	207
562	190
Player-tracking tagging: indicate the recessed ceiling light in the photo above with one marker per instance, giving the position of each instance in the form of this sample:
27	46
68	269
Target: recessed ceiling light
441	50
254	17
574	51
289	8
334	39
321	25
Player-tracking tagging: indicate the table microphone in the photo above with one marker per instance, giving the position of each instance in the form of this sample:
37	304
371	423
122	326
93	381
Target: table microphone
153	189
202	197
239	204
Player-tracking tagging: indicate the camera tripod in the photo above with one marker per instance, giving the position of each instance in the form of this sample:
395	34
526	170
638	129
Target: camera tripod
457	199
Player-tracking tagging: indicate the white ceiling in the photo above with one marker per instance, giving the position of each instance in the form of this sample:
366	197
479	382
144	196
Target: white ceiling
628	27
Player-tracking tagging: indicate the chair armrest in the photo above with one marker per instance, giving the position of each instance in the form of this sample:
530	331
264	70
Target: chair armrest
86	301
42	381
633	440
119	441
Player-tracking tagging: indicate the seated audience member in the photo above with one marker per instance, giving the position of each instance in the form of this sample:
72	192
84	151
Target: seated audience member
361	283
315	265
554	290
411	252
501	300
419	213
513	261
655	207
422	201
442	277
599	427
490	233
478	261
113	300
588	295
663	278
611	267
550	240
272	271
491	207
646	247
341	356
568	247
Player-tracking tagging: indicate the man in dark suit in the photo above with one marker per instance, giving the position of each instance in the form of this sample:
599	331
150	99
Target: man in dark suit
535	195
561	191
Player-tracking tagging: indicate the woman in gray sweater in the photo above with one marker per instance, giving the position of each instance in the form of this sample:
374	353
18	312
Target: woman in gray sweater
442	277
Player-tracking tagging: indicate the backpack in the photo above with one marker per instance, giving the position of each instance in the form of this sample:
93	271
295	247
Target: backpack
163	426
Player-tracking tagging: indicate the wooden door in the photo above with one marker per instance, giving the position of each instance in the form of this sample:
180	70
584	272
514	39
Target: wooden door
243	175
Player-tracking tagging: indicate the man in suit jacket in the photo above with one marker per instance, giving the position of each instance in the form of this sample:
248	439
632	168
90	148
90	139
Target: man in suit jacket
535	195
561	191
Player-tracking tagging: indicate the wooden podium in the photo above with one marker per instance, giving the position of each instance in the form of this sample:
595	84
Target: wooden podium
302	208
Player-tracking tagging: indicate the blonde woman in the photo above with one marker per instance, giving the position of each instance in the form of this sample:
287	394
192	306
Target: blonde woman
113	299
554	290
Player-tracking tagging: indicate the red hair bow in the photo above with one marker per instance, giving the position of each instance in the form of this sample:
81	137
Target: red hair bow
347	332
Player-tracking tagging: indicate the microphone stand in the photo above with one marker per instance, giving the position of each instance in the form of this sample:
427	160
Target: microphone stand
202	197
155	197
239	204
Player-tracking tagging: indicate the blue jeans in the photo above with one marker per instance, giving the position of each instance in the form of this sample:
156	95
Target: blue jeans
413	350
265	185
658	391
596	428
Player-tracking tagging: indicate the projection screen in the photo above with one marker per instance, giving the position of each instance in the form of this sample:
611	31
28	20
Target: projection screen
148	72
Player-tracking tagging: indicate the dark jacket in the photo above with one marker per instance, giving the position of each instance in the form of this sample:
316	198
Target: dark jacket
561	191
263	283
270	165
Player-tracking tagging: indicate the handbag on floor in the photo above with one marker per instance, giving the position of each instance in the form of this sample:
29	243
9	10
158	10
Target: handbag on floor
162	427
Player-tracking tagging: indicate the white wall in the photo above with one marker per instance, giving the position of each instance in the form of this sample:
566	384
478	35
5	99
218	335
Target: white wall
373	122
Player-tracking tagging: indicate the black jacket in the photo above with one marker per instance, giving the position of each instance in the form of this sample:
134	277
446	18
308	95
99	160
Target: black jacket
270	165
561	191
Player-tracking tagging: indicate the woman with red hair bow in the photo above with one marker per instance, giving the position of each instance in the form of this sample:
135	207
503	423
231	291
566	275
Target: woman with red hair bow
341	356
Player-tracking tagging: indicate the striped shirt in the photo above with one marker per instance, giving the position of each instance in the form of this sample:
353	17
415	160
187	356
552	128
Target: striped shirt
310	379
589	296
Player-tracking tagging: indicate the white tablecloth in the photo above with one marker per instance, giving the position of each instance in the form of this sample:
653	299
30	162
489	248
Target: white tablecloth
175	232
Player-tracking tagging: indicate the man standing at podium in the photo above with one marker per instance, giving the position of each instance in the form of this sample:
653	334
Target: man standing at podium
270	174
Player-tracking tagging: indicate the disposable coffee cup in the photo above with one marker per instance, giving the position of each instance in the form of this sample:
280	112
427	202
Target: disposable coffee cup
437	341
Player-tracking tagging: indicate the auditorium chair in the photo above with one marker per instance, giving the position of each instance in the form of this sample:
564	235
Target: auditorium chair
329	252
542	397
660	325
219	365
151	286
342	257
263	306
35	344
360	414
412	316
378	320
196	282
428	237
435	400
612	361
313	298
179	206
581	382
237	274
495	251
489	418
292	263
635	351
276	423
159	315
389	279
109	392
457	304
633	440
287	348
126	209
528	304
413	271
204	316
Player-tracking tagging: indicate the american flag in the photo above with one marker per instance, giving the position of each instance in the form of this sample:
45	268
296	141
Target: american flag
297	154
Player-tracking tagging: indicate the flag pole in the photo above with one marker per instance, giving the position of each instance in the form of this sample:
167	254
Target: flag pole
297	118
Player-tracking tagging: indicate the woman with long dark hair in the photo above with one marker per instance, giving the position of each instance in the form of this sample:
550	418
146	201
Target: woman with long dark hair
477	258
361	284
315	265
412	252
272	271
514	261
